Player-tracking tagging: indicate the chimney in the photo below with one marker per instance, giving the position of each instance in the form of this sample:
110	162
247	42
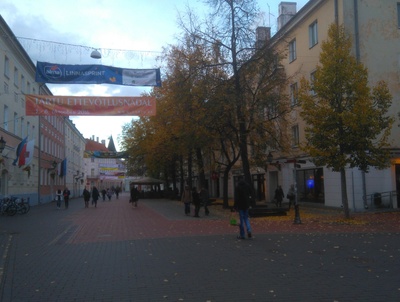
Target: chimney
97	139
286	11
103	142
263	34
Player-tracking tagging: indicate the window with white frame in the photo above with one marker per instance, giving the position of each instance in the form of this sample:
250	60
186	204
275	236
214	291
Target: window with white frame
295	136
313	34
293	94
6	67
292	50
16	76
28	87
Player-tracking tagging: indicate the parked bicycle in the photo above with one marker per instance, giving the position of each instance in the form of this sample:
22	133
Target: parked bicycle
8	206
22	206
13	204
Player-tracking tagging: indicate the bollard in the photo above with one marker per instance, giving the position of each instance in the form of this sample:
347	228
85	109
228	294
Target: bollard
296	214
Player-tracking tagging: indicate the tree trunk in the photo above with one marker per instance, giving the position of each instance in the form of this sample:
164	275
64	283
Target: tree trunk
190	169
225	203
182	172
200	167
345	201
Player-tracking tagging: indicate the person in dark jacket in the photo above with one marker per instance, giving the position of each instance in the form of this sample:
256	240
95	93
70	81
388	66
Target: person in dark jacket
204	200
242	204
279	195
66	194
95	196
103	194
196	202
134	196
86	197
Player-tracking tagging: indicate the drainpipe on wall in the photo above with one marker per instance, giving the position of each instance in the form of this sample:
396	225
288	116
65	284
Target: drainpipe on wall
357	48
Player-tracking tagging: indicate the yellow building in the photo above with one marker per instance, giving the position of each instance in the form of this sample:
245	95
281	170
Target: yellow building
375	30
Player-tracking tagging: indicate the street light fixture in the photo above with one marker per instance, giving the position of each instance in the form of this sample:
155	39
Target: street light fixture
95	54
54	164
2	145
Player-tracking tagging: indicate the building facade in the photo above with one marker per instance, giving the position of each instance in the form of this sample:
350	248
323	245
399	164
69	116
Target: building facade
17	74
374	27
53	147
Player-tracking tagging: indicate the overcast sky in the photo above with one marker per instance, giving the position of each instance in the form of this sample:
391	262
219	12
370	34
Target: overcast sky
129	34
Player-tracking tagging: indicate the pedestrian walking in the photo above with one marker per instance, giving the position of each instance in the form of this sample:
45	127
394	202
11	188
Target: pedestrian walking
186	199
242	204
86	197
66	194
103	194
95	196
291	195
204	200
117	190
134	196
109	194
59	198
196	202
279	195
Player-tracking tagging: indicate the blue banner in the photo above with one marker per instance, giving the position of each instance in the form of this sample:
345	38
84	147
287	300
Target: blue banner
96	74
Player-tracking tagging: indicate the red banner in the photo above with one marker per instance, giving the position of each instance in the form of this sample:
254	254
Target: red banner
89	105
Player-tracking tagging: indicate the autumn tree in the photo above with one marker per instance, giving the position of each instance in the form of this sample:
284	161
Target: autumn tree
178	135
347	122
254	85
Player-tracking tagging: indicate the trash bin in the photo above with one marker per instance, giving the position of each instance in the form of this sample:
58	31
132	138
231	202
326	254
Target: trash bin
377	199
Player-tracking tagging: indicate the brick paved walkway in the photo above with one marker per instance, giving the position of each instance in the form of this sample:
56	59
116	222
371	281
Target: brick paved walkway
116	252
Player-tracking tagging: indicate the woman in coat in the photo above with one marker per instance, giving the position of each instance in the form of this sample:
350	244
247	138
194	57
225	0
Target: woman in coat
187	199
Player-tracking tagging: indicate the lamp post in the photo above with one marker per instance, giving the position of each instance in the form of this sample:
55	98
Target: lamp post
297	219
76	192
53	177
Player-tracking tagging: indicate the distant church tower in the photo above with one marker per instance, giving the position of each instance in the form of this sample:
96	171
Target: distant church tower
111	146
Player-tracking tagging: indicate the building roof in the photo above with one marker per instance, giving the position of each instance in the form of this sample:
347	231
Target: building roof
92	146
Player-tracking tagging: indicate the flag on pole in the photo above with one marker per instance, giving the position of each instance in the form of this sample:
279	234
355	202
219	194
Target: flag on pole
26	155
18	150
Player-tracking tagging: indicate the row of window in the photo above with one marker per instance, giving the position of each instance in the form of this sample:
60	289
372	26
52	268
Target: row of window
21	128
19	81
312	41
